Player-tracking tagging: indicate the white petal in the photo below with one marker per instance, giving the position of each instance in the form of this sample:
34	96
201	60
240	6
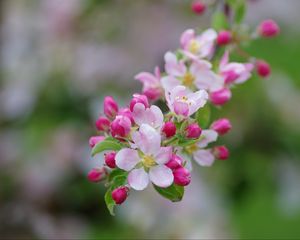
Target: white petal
204	157
149	140
138	179
161	176
207	136
127	158
163	155
169	82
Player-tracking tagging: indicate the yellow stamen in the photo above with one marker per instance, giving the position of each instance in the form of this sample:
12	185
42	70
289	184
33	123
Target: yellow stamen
188	80
194	46
191	149
148	161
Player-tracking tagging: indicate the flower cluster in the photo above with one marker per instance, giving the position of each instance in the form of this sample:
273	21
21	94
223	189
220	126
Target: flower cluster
144	145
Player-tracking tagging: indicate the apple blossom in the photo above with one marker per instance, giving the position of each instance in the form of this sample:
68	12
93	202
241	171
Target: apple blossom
110	107
198	7
95	139
110	159
102	124
139	98
97	174
169	129
221	126
263	68
182	176
120	127
268	28
120	194
193	131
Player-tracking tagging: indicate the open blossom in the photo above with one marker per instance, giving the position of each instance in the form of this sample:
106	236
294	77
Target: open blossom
198	75
151	84
201	46
146	160
183	102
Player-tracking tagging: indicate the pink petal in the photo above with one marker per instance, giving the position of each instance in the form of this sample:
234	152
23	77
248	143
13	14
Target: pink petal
138	179
186	37
207	136
198	100
181	108
174	67
127	158
204	157
161	176
146	78
164	155
169	82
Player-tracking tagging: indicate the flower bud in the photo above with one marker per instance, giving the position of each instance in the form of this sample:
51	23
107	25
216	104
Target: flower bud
110	159
175	162
95	139
126	113
263	68
120	127
138	98
198	7
193	131
182	176
120	194
96	174
221	126
169	129
110	107
220	97
224	37
268	28
221	152
102	124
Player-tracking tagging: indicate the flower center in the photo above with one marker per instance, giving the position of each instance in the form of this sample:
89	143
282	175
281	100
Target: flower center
191	149
148	161
194	46
188	79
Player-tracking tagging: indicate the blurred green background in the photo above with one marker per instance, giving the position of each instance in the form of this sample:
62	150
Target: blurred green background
59	59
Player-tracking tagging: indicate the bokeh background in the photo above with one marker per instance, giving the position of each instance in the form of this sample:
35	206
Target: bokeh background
58	60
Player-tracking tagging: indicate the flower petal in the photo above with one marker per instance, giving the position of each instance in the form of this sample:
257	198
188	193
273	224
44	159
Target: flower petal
207	136
127	158
197	100
186	37
138	179
163	155
161	176
204	157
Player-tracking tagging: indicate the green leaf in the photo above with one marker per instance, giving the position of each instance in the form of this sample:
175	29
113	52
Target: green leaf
187	142
219	21
107	144
203	116
240	11
173	193
115	173
110	203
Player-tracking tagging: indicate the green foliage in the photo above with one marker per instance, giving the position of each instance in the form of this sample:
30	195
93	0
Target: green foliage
203	116
219	21
107	144
174	193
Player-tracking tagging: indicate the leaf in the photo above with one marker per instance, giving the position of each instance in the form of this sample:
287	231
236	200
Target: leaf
203	116
116	172
173	193
219	21
240	11
110	203
187	142
107	144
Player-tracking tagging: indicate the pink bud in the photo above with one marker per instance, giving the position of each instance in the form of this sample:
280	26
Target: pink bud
198	7
193	131
95	139
110	107
221	152
110	159
224	37
263	68
120	194
153	93
139	98
126	113
221	126
220	97
120	127
175	162
169	129
102	124
182	176
96	174
268	28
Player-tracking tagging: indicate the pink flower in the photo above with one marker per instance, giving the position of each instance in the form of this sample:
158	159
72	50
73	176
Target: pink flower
198	7
220	97
147	161
169	129
151	84
126	113
234	72
183	102
175	162
221	152
201	46
224	37
268	28
204	157
263	68
199	74
221	126
97	174
102	124
139	98
120	194
95	139
120	127
110	107
152	116
193	131
110	160
182	176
